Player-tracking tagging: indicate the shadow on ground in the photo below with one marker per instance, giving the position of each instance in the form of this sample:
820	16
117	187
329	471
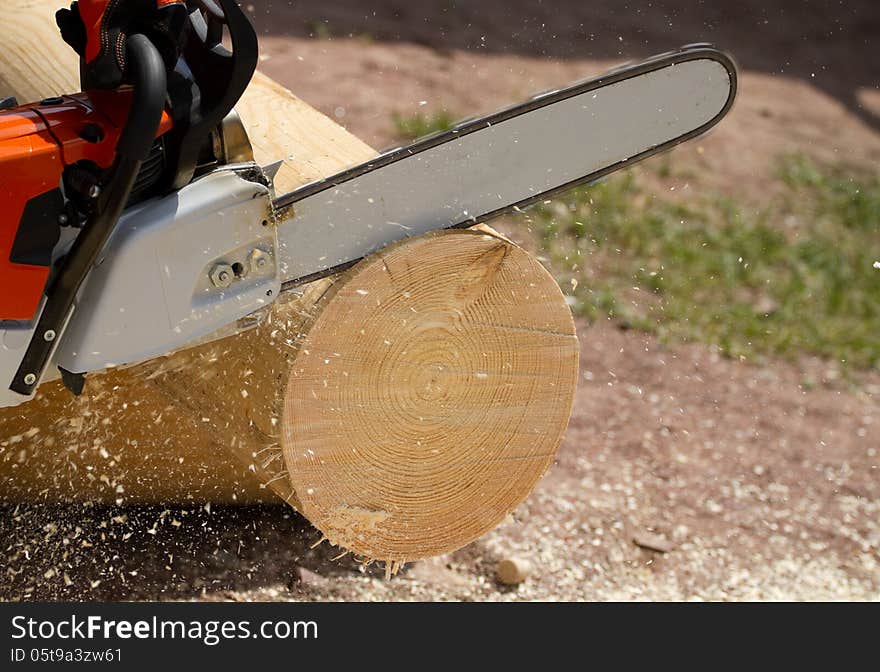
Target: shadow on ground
130	553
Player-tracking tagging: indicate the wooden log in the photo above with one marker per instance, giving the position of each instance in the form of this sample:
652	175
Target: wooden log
405	407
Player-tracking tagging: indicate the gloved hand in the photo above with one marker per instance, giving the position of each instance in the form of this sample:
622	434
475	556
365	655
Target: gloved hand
97	29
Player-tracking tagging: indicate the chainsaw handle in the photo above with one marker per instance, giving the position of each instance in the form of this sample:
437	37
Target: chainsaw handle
148	103
147	72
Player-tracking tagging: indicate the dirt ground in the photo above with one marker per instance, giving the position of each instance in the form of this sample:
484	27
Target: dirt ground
764	481
759	480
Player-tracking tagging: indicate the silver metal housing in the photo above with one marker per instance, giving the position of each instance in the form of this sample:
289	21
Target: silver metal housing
151	291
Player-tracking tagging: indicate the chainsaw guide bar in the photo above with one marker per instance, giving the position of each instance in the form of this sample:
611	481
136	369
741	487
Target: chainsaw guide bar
504	162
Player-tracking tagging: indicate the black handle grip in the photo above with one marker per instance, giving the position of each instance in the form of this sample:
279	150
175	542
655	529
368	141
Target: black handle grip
148	102
147	73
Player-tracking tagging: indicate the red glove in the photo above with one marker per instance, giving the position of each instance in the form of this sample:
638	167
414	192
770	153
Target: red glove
97	30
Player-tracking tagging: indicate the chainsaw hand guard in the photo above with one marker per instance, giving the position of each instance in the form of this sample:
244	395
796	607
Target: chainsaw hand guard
97	30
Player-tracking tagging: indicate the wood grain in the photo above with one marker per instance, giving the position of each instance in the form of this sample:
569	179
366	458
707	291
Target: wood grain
429	394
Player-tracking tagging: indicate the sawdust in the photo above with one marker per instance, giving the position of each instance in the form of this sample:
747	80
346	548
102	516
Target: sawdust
347	525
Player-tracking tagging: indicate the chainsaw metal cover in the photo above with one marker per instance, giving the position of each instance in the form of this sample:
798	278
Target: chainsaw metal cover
151	291
490	166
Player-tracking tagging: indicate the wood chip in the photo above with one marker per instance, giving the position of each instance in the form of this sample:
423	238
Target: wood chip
309	578
513	571
652	542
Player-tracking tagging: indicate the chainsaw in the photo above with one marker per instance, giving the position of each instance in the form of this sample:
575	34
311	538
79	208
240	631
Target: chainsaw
137	223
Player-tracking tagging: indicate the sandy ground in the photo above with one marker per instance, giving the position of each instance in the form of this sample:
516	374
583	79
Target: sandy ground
761	481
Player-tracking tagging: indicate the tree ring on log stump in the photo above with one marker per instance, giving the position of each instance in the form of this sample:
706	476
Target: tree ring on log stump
429	395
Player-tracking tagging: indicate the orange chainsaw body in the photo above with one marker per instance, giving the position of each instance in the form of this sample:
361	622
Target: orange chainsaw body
37	142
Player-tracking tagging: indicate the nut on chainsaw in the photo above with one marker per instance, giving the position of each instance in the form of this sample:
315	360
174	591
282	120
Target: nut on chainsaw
258	260
222	275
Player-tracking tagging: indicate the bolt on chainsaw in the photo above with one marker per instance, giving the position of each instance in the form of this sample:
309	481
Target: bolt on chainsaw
137	222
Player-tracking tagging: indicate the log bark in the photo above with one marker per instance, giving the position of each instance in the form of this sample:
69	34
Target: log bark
405	407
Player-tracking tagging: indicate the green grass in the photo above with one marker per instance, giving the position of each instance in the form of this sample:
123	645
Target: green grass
420	124
791	278
319	30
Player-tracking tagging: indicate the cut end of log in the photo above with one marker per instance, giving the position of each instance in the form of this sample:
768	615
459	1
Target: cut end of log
429	395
